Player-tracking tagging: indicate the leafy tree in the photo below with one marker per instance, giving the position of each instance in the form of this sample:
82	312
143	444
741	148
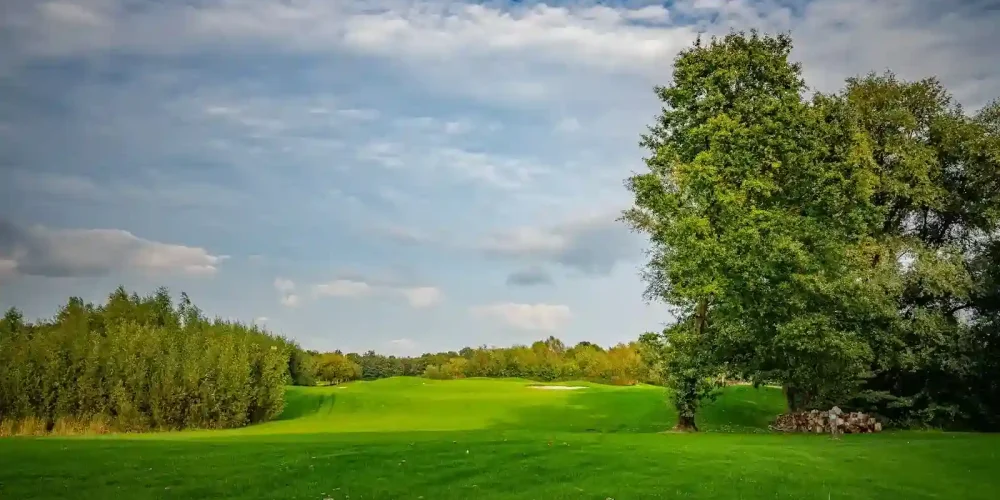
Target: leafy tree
137	363
301	366
938	201
756	204
336	368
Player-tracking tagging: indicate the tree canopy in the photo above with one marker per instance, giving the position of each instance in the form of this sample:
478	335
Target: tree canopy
814	242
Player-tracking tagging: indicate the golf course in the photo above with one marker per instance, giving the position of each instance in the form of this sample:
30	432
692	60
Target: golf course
408	437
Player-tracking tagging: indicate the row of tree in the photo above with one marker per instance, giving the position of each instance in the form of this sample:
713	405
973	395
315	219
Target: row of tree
138	363
844	245
545	360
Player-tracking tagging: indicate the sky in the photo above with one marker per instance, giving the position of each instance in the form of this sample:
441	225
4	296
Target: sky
404	176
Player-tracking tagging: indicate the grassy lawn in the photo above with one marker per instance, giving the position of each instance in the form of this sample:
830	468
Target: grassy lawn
473	439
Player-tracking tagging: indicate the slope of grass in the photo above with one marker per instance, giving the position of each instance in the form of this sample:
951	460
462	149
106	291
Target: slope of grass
415	438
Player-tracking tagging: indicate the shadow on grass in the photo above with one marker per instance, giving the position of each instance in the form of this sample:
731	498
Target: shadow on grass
299	404
646	410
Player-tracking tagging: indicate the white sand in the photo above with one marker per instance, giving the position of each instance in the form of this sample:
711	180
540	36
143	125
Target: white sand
556	387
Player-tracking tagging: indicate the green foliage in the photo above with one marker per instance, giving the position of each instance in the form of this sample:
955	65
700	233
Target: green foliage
545	360
938	197
755	202
683	359
302	368
376	366
137	363
335	368
842	245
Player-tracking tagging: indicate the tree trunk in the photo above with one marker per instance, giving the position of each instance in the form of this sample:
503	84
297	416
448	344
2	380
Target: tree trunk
792	398
701	316
685	424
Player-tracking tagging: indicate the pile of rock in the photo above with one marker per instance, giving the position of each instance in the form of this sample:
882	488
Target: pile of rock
827	422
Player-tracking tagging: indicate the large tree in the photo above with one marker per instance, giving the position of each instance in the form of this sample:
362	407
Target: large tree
938	197
757	205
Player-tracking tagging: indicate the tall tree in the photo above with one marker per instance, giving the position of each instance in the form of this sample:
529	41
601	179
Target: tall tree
938	199
756	204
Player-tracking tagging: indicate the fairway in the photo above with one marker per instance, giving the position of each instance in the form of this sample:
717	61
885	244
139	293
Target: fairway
476	438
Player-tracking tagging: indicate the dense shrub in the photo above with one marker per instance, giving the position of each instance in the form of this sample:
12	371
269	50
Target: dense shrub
137	363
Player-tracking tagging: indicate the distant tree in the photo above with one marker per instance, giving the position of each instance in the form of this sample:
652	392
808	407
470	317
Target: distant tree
336	368
301	366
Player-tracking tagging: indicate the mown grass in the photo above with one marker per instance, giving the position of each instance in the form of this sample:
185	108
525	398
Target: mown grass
415	438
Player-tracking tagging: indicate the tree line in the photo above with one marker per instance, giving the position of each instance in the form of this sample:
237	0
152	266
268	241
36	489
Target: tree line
543	360
138	363
845	245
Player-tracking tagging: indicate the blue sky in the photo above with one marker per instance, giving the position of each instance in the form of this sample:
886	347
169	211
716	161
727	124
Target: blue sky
396	175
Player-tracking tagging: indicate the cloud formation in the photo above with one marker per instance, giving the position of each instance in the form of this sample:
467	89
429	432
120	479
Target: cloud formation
592	245
529	277
286	292
616	37
343	288
352	286
535	317
422	296
321	133
41	251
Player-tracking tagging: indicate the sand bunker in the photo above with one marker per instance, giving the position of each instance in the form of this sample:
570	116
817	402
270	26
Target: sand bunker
557	387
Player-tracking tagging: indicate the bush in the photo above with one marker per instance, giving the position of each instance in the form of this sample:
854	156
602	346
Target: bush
137	364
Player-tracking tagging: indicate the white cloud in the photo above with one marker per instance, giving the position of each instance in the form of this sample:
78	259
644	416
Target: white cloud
526	240
508	47
71	13
350	285
8	267
567	125
343	288
290	300
43	251
260	319
406	234
286	290
647	13
457	127
423	296
433	125
284	285
422	160
543	317
359	114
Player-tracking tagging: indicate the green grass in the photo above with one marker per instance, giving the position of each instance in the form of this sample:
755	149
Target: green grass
481	439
